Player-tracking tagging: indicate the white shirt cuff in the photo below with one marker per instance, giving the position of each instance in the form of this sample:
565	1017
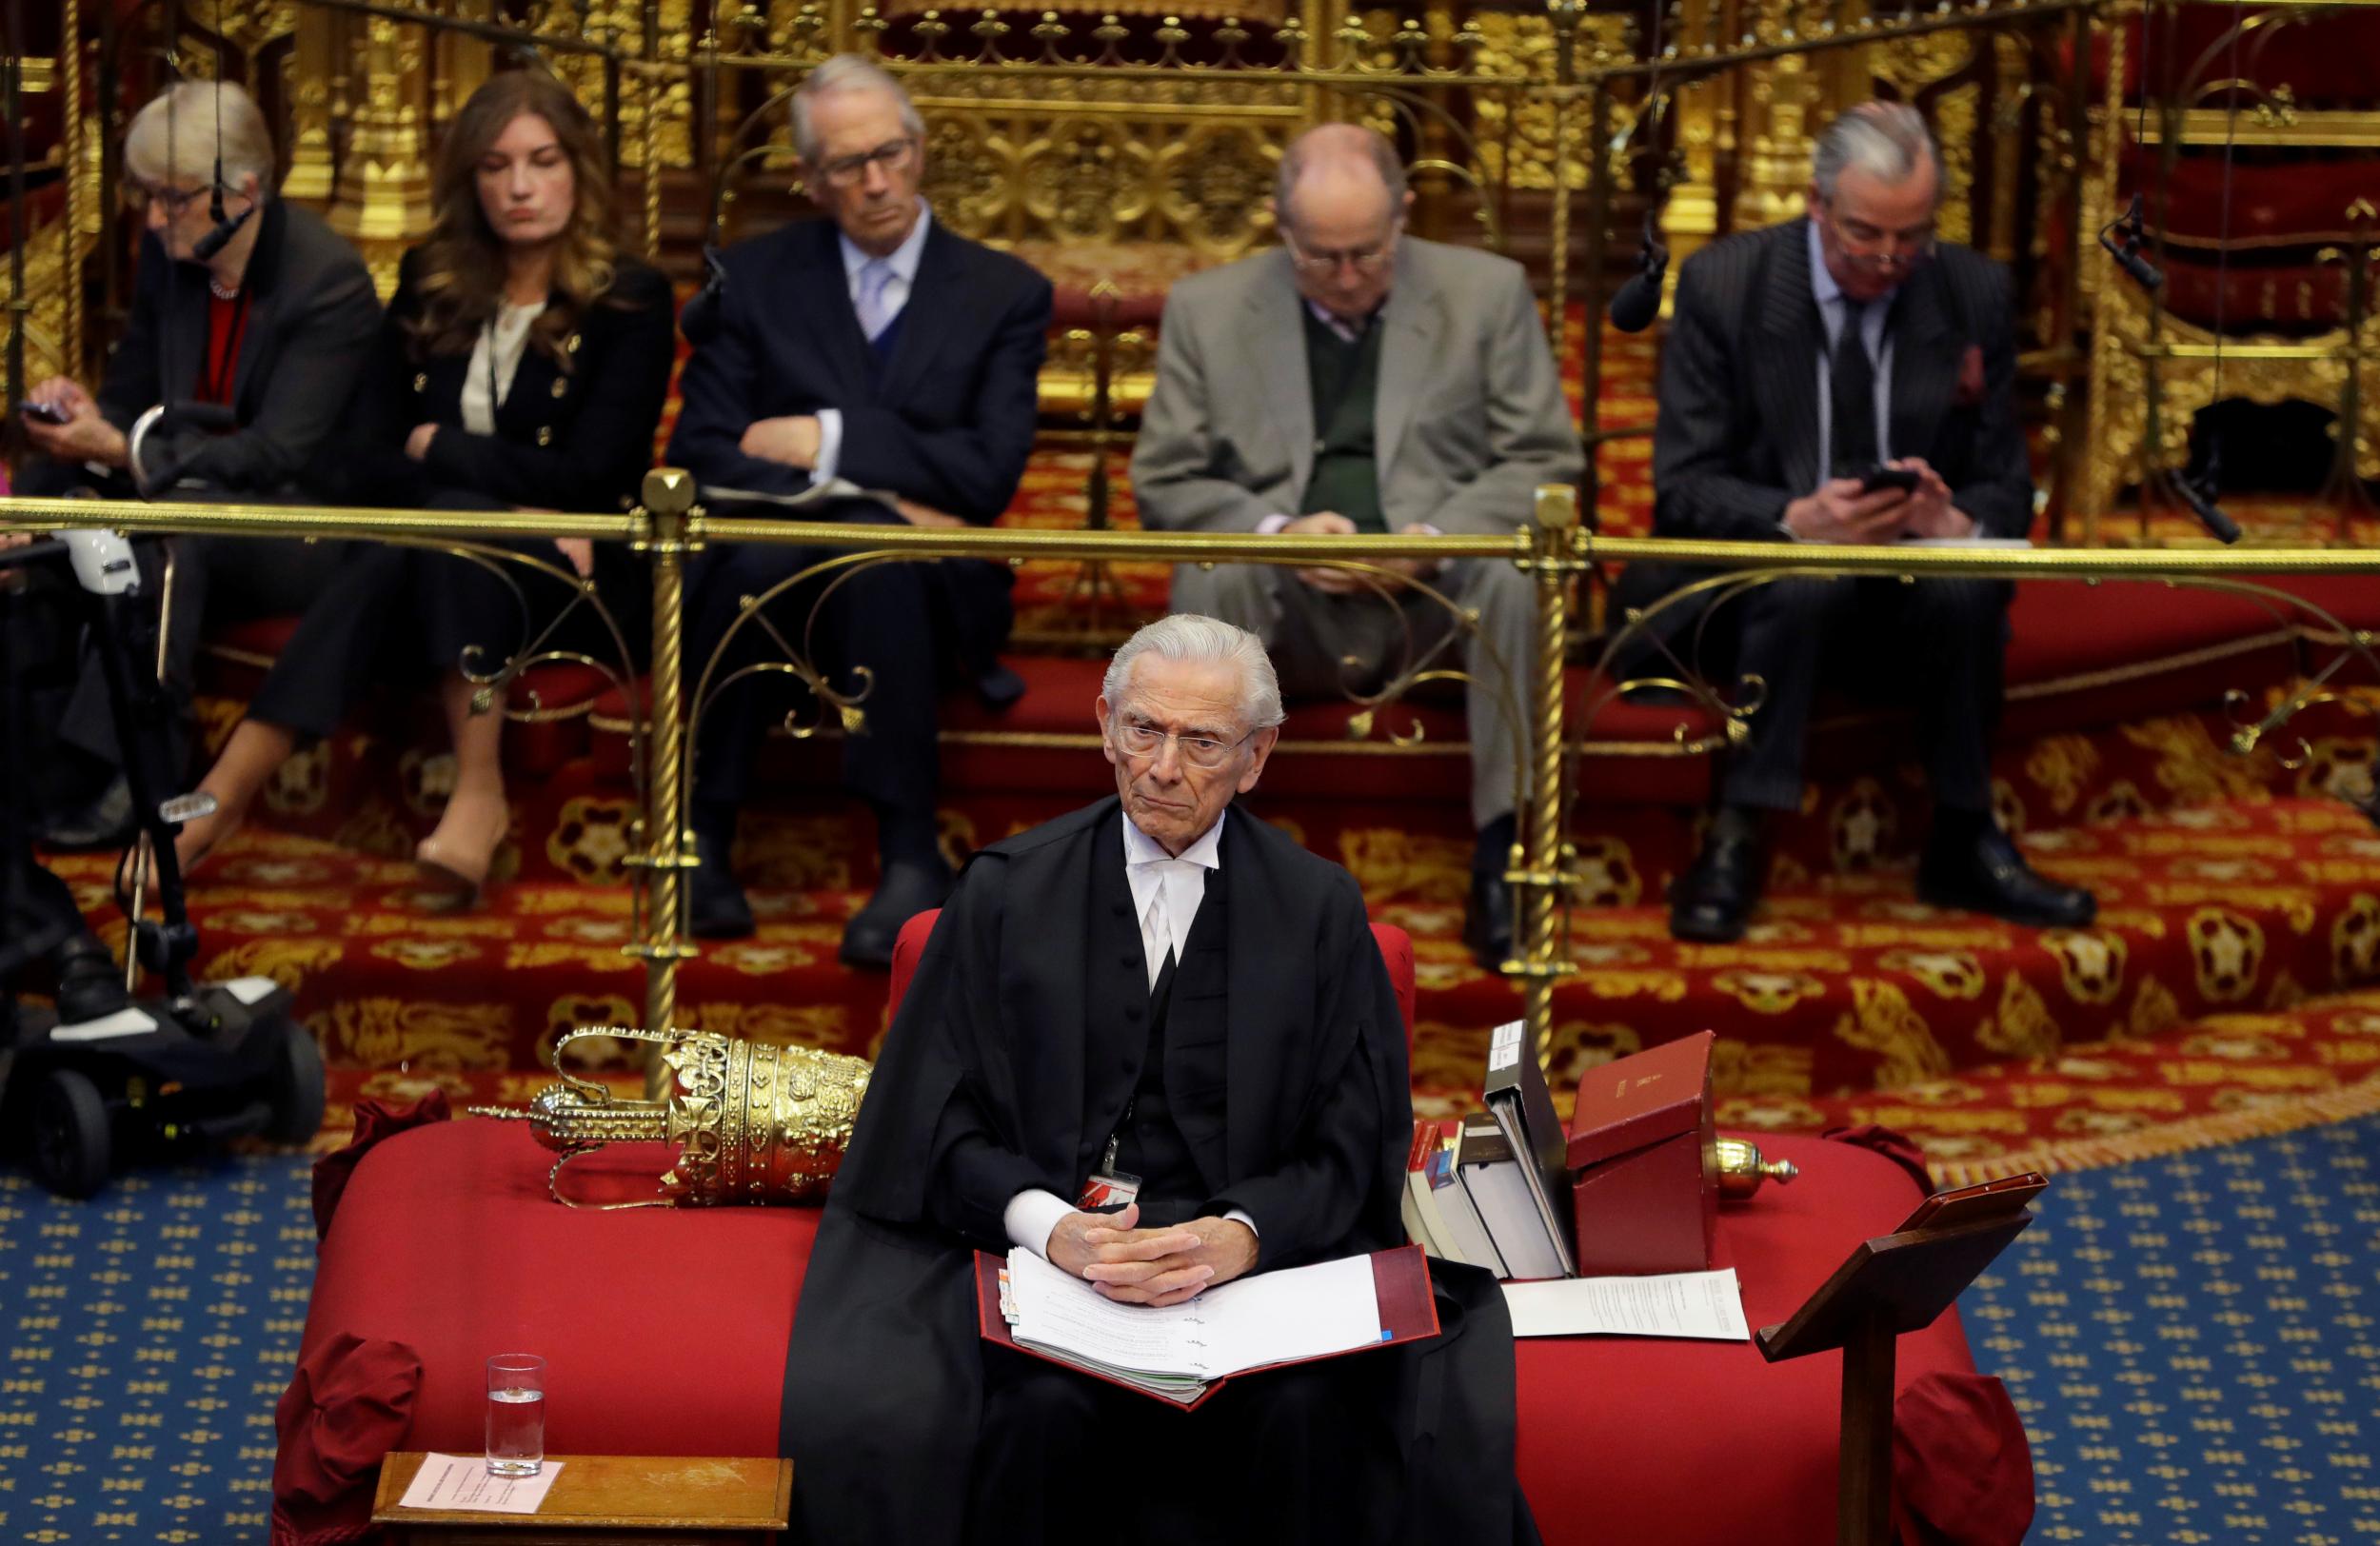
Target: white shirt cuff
829	445
1031	1215
1271	524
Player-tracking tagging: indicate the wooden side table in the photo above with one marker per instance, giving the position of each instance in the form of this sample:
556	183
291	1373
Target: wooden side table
610	1500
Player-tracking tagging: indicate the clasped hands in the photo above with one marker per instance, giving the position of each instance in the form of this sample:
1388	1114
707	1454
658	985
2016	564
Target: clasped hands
1838	512
1154	1267
1346	582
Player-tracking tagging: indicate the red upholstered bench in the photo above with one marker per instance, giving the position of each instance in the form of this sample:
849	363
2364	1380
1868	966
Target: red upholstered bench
666	1334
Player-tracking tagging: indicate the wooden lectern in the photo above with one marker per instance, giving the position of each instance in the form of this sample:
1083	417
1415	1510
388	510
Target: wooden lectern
1896	1283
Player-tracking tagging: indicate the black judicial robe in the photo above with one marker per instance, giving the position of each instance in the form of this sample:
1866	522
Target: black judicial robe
1285	1071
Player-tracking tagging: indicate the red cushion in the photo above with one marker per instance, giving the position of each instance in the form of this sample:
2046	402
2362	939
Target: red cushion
1712	1442
446	1243
1396	949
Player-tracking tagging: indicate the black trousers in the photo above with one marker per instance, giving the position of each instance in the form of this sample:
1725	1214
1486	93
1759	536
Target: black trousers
1301	1455
1937	645
885	630
412	614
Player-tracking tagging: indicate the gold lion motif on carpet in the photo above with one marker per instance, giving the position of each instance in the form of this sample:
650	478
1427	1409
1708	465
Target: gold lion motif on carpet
1952	973
1769	993
2090	965
2227	949
594	837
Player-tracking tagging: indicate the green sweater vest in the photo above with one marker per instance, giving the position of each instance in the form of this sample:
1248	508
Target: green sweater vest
1346	380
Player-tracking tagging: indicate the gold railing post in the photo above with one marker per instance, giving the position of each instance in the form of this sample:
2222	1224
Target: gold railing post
674	524
1539	870
71	184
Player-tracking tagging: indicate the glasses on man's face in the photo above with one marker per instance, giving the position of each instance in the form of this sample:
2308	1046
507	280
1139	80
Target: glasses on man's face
1201	751
849	171
138	196
1366	261
1872	246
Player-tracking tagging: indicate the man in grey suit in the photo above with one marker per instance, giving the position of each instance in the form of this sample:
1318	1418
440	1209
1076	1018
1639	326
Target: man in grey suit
1360	381
1847	378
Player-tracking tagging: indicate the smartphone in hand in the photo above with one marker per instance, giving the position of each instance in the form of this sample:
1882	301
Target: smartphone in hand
44	412
1904	478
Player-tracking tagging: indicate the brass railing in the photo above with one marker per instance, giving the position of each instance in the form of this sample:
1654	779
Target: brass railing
670	526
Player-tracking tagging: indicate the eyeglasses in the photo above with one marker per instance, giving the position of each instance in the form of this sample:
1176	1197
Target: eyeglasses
1863	245
849	171
139	196
1198	751
1366	261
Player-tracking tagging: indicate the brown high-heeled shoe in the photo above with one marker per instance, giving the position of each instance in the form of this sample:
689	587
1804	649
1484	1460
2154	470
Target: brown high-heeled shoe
457	856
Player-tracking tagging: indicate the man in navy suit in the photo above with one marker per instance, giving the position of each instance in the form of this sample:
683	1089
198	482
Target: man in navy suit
885	350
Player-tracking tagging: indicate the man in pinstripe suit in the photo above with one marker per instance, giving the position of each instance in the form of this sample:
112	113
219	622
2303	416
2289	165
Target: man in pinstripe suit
1801	359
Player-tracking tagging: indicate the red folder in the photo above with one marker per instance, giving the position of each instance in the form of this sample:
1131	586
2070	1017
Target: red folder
1400	1278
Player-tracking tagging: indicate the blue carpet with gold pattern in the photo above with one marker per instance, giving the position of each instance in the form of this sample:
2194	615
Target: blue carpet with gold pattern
2192	1342
150	1331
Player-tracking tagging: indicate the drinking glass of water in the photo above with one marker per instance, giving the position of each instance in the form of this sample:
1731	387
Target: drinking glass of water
516	1415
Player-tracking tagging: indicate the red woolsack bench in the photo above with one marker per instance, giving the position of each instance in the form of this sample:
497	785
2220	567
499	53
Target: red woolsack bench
664	1332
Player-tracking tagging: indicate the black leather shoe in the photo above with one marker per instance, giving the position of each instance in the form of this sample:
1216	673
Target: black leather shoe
906	891
1487	919
716	909
91	985
1711	902
105	822
1980	871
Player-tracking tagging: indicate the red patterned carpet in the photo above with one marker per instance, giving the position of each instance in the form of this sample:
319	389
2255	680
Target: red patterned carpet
2230	979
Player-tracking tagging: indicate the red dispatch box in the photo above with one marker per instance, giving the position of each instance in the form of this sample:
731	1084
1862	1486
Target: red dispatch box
1644	1162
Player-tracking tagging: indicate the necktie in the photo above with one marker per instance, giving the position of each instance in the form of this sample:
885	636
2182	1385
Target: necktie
874	275
1852	421
1157	931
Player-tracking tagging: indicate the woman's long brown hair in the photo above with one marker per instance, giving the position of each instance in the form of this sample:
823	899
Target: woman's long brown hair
461	274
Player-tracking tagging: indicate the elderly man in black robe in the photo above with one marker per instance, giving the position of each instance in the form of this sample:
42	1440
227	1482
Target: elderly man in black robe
1160	987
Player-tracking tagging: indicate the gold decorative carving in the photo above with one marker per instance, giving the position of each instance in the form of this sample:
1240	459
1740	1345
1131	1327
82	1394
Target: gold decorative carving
383	204
1911	65
1214	186
2134	340
1954	131
1522	46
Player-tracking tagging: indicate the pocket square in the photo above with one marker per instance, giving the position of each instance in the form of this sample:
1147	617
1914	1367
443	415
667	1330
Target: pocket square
1970	376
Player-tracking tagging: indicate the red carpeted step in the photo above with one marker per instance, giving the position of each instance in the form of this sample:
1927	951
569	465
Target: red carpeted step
1845	984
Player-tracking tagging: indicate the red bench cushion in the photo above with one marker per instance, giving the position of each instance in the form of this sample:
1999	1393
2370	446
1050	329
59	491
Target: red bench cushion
665	1329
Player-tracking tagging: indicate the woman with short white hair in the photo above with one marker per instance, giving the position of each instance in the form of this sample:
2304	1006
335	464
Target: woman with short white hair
250	321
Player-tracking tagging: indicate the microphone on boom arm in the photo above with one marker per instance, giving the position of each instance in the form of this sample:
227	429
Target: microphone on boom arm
2124	237
1638	302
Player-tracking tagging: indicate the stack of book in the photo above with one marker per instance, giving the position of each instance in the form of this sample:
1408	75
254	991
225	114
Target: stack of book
1493	1188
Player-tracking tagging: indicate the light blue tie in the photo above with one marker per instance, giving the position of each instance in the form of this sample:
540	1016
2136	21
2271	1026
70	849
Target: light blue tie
874	316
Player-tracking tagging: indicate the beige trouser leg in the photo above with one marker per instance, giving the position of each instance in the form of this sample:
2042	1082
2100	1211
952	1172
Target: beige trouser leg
1326	646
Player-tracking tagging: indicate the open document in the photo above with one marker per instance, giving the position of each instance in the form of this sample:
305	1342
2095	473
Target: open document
1181	1352
1703	1305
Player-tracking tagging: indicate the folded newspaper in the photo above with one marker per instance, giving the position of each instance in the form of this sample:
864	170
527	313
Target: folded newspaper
819	493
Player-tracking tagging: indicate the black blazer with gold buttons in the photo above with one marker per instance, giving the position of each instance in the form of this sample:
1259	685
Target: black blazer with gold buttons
575	439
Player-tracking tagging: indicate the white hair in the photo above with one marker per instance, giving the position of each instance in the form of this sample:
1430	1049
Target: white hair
847	72
1187	636
1884	139
175	138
